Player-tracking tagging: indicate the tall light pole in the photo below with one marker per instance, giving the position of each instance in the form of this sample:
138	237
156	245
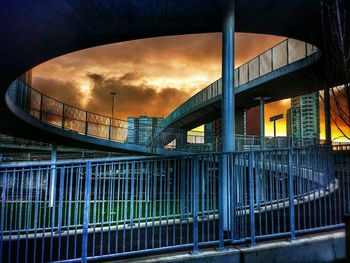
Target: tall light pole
113	93
274	119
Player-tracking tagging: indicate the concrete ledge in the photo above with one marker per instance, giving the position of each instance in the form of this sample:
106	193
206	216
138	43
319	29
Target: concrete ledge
323	247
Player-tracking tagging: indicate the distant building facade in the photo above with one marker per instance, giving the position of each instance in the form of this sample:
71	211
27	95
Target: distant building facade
209	136
252	121
303	118
141	130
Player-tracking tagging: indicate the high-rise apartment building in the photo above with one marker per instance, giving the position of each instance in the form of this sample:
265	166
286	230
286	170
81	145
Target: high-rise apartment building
303	118
142	129
294	124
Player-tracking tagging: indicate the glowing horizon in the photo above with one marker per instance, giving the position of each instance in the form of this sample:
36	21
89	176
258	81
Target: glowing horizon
151	76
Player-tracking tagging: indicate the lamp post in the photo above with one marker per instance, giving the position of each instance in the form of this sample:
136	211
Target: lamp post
113	93
274	119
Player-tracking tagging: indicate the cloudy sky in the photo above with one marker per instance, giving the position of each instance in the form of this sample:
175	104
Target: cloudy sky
151	77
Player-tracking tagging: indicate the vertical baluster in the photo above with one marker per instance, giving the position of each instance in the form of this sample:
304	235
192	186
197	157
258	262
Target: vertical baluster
154	197
195	184
160	204
14	177
37	189
291	195
95	206
167	194
221	200
251	198
41	107
102	211
188	198
3	205
140	204
271	153
117	212
86	123
126	190
287	47
76	209
63	116
233	197
174	182
147	200
271	59
60	208
132	193
86	212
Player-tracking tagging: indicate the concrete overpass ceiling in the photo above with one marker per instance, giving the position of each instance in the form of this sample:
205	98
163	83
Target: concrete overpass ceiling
35	31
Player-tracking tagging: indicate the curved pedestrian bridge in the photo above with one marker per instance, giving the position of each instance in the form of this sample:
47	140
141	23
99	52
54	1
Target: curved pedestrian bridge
251	79
67	121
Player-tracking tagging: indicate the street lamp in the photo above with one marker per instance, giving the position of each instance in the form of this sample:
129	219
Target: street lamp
274	119
113	93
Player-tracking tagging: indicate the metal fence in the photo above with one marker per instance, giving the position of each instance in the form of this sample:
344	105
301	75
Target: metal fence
72	119
99	209
69	118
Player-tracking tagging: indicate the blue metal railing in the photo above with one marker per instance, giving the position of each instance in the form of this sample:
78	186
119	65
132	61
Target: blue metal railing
130	206
69	118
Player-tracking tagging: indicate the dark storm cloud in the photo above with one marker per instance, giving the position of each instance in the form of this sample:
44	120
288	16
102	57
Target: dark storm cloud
65	91
96	78
132	99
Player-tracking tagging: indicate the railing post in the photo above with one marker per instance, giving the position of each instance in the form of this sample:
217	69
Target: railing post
110	129
221	200
238	77
305	50
62	116
41	107
330	158
291	195
86	123
3	205
248	72
29	99
53	176
60	212
182	188
86	212
287	44
233	172
251	198
271	59
195	205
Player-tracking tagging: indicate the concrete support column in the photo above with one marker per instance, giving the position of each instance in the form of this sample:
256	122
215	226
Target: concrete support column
228	94
327	115
228	111
53	174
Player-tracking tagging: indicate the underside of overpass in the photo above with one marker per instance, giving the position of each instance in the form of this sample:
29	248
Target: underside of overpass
99	209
